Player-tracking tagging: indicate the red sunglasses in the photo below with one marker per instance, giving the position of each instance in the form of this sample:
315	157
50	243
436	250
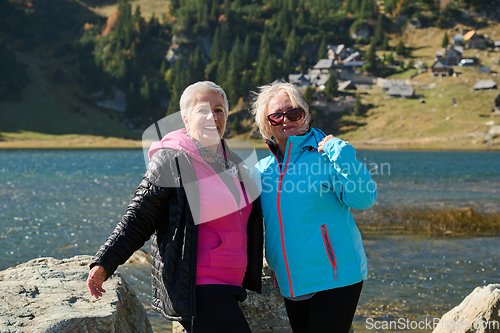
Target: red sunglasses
279	117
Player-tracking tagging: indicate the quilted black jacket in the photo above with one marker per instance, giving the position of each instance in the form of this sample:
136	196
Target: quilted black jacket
160	211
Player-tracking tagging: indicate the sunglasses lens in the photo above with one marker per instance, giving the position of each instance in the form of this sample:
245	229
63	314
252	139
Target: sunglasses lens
294	114
275	118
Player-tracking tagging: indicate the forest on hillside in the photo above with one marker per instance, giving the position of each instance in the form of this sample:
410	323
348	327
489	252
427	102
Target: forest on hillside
239	44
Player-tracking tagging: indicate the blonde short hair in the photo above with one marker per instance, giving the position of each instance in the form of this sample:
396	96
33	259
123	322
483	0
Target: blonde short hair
189	96
264	97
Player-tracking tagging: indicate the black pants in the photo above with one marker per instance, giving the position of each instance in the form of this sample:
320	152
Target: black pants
218	314
326	312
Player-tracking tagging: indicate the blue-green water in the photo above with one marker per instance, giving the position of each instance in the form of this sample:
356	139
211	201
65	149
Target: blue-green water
61	203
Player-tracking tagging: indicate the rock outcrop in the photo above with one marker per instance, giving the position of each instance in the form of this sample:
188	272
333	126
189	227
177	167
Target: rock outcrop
266	312
479	312
49	295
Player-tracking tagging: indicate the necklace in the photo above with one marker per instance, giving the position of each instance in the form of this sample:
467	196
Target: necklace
229	167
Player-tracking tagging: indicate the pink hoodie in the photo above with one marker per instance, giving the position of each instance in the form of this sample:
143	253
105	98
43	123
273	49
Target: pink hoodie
222	238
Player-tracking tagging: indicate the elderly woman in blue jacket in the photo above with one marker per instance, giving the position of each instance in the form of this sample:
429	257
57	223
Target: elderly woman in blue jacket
310	182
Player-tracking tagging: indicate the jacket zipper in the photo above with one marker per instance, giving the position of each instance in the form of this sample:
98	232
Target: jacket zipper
281	221
329	249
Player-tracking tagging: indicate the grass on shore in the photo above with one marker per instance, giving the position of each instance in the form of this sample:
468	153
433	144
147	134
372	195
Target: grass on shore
456	222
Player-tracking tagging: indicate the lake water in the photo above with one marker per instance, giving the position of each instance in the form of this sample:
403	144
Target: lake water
62	203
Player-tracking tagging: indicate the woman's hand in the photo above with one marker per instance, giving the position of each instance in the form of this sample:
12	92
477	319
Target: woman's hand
322	143
96	277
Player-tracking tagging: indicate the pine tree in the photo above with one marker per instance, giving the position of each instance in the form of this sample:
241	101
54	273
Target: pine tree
145	93
246	57
445	41
222	69
331	89
196	66
390	58
137	17
371	59
354	7
322	52
385	43
291	50
400	48
270	70
233	75
358	106
308	94
125	26
216	51
264	54
379	31
283	27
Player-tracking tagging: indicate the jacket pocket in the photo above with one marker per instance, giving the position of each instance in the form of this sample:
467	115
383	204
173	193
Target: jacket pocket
328	248
231	254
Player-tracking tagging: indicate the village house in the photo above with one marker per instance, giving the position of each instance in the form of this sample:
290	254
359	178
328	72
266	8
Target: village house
320	81
347	85
341	54
337	52
458	39
299	80
453	54
441	68
324	66
354	59
473	41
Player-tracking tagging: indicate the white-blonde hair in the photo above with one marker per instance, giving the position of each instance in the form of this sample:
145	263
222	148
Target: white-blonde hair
264	97
190	96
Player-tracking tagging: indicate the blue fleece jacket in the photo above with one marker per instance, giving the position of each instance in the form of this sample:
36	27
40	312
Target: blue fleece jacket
312	242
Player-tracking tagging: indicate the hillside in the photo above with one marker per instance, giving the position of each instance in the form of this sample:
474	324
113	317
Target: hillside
58	109
394	123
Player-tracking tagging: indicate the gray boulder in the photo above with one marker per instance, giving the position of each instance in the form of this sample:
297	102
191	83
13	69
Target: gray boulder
266	312
479	312
50	295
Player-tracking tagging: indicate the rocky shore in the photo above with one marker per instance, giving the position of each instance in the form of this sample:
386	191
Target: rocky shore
50	295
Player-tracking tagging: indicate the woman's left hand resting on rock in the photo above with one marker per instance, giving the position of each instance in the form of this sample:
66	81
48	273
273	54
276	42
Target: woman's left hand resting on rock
322	143
96	278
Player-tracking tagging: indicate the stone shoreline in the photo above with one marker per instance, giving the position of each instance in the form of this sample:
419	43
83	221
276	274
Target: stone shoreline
50	295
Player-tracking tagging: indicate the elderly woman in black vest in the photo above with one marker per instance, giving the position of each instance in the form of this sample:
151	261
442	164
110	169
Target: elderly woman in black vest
197	203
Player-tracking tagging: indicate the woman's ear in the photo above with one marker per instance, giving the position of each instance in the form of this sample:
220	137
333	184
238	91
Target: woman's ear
186	122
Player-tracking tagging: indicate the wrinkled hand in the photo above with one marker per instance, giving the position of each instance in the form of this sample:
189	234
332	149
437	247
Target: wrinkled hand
322	143
96	277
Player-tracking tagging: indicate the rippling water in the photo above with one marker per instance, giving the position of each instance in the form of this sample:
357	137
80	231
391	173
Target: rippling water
61	203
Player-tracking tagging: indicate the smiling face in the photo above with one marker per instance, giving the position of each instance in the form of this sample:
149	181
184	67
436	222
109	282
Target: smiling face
282	103
207	119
